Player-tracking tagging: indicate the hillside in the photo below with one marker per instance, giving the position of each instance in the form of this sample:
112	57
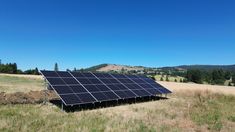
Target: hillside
114	67
202	67
118	68
191	107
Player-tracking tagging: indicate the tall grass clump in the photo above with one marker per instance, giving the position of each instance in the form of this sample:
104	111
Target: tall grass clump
211	109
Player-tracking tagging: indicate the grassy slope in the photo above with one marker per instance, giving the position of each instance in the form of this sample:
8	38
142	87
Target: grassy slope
23	83
184	111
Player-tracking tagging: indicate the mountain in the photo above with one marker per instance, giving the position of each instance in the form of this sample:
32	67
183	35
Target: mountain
95	68
208	67
119	68
114	67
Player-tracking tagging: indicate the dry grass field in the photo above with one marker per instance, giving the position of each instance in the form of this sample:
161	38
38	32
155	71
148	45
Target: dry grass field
11	83
191	87
191	107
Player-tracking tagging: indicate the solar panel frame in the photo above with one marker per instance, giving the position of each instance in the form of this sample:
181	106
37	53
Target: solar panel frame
137	83
91	75
67	86
45	78
122	84
153	82
108	86
142	78
106	76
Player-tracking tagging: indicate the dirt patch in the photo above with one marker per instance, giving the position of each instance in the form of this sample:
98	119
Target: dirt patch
32	97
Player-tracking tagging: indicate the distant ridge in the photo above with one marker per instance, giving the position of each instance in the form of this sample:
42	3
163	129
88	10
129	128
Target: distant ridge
207	67
116	67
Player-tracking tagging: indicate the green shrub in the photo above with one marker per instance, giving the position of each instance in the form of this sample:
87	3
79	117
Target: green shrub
231	118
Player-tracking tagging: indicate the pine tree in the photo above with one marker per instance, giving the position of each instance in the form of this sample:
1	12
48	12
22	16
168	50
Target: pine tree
152	77
161	79
56	68
233	79
185	80
167	78
181	80
36	72
14	68
122	70
176	80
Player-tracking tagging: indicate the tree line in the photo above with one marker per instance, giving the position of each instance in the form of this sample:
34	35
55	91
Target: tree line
211	77
11	68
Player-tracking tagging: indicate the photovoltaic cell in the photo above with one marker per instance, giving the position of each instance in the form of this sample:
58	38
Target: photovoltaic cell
80	88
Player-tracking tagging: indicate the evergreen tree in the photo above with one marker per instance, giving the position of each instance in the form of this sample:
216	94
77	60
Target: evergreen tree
181	80
233	79
185	80
152	77
56	68
176	80
81	70
122	70
161	79
194	76
227	75
14	68
36	72
218	77
167	78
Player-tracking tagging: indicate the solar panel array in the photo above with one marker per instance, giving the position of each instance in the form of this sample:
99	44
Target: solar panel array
76	88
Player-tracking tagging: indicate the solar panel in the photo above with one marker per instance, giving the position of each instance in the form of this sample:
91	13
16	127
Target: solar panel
76	88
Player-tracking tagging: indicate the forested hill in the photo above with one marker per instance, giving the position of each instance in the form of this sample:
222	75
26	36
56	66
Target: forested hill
113	67
208	67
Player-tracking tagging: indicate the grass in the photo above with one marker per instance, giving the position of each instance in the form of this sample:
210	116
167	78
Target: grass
184	111
49	118
206	112
213	110
11	84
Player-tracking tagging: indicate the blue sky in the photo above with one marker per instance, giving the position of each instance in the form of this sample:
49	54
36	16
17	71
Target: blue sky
82	33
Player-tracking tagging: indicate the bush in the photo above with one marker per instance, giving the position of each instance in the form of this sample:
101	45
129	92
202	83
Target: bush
231	118
152	77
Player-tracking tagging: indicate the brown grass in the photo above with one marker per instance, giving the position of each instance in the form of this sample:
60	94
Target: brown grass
22	75
190	108
186	88
112	67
